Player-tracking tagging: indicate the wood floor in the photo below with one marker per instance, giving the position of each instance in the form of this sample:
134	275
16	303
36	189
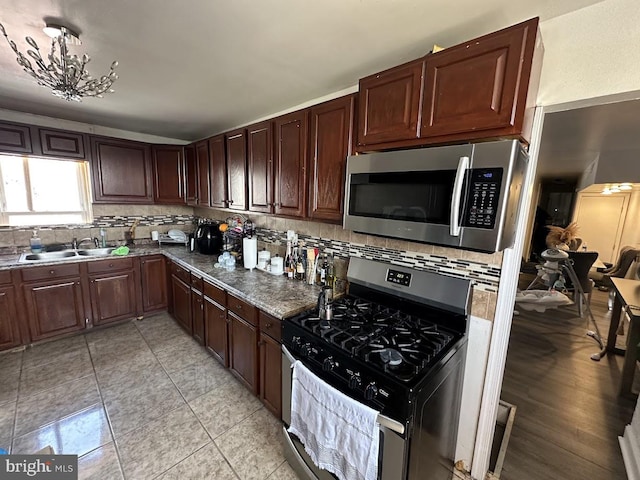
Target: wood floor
568	413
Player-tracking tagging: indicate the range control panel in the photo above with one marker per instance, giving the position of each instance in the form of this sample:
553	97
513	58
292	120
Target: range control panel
482	200
399	278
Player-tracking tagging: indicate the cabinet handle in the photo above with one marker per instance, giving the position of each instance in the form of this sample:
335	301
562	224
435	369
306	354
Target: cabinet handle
230	202
277	205
111	265
267	325
93	281
77	283
52	272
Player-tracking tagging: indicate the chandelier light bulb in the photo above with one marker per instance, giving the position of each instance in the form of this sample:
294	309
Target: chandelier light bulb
65	74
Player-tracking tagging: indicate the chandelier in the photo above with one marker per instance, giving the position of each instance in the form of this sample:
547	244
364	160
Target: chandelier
65	74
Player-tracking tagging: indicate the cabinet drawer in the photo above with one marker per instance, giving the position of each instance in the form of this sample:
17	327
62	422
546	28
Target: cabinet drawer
5	277
270	325
52	271
110	265
196	282
245	310
182	273
215	293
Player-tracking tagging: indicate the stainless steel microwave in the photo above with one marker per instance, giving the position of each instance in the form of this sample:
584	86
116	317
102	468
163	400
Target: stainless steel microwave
463	196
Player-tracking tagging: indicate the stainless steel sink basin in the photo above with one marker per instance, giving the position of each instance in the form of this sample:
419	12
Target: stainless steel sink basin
96	252
46	256
64	255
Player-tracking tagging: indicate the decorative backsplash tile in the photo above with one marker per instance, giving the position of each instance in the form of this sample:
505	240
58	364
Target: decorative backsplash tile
485	277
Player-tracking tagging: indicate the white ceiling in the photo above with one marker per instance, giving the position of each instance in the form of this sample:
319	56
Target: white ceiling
192	68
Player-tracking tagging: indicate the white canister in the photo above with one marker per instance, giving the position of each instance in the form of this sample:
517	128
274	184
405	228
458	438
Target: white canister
277	265
264	257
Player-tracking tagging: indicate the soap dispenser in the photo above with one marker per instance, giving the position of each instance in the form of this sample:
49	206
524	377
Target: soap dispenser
36	244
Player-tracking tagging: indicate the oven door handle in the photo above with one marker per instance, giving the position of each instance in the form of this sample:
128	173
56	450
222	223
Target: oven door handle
383	420
456	197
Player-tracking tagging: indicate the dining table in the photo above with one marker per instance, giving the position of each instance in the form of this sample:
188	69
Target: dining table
627	301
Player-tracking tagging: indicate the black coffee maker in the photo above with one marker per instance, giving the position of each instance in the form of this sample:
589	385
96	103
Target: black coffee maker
208	239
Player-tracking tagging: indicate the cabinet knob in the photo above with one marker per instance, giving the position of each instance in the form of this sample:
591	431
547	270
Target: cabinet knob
230	202
277	205
111	265
52	272
267	325
261	343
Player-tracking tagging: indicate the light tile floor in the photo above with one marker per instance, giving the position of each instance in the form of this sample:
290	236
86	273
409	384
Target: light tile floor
139	400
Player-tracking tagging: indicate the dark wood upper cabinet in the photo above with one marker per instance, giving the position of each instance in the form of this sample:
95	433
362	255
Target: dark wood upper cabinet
389	104
260	162
168	169
236	142
121	171
15	138
202	164
290	163
58	143
479	88
330	144
191	174
218	172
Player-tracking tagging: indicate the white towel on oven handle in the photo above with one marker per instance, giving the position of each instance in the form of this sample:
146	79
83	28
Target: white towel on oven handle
340	434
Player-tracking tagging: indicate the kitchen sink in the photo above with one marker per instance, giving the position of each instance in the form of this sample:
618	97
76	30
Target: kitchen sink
46	256
96	252
64	255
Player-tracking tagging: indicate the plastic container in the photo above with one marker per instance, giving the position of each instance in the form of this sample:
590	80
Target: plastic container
35	242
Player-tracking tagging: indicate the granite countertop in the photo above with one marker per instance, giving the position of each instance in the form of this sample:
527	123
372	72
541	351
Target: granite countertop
274	294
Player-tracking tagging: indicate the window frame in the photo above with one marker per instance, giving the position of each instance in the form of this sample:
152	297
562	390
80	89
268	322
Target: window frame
83	180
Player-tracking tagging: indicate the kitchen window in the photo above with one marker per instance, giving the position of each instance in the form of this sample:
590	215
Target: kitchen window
43	191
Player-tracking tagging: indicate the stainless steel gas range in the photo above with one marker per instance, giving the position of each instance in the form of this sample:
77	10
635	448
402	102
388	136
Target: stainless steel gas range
397	343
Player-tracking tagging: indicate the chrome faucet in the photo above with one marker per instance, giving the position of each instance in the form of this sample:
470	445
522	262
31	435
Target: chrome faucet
75	243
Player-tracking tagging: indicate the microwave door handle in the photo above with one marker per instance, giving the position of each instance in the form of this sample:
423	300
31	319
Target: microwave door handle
456	198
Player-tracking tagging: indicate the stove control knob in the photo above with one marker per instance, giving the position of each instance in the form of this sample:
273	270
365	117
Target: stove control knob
305	350
371	391
297	341
328	364
354	381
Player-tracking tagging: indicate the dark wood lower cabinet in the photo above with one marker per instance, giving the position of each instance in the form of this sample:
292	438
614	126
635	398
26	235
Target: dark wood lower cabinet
9	331
243	351
154	284
181	294
271	374
197	316
216	330
113	297
54	307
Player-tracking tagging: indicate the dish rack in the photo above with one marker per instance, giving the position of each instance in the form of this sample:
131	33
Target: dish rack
175	237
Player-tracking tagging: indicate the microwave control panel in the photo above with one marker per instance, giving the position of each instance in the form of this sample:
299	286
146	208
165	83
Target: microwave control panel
482	200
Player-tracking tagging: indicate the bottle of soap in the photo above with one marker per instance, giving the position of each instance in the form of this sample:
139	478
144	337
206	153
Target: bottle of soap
36	244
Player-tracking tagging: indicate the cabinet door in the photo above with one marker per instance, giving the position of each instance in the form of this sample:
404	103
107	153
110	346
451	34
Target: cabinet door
389	104
271	374
202	161
237	169
181	294
154	283
191	174
15	138
9	332
243	351
197	314
215	318
54	307
291	163
218	172
57	143
169	171
331	136
479	88
113	297
121	171
260	160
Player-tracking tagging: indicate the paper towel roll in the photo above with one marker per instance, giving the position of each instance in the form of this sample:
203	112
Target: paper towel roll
250	252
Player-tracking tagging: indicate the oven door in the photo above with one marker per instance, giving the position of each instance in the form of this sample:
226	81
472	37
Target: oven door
393	447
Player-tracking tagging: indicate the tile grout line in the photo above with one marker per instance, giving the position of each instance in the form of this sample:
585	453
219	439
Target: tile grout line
15	411
106	412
